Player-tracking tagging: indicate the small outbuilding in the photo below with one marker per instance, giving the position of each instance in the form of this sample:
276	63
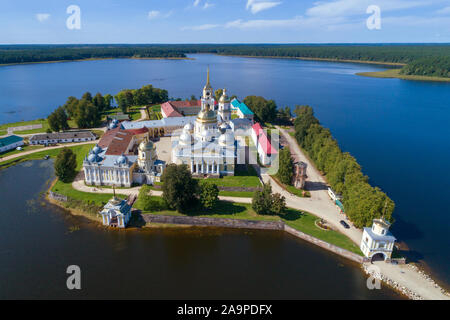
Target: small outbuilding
10	142
116	213
378	242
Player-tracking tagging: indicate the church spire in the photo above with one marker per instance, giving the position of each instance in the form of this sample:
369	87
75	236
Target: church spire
208	84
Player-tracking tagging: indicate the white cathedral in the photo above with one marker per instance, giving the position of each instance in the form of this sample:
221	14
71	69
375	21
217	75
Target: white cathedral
208	147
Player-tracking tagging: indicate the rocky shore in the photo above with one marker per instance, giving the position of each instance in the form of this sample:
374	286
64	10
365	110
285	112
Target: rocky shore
399	287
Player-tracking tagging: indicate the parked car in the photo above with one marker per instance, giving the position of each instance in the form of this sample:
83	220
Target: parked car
344	224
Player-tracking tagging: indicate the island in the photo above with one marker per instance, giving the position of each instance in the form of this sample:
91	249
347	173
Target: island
219	161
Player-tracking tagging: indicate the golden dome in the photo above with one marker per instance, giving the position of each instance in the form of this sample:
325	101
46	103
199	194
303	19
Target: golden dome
146	145
224	98
207	115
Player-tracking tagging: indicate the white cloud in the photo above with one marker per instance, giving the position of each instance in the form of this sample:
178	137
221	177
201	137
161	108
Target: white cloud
445	10
201	27
256	6
197	2
296	22
155	14
208	5
354	7
41	17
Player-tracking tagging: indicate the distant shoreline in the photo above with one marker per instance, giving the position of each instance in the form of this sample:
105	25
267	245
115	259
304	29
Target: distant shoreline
320	59
395	74
94	59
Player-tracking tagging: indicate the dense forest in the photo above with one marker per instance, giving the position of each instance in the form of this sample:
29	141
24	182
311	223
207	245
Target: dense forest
425	59
362	202
434	66
24	54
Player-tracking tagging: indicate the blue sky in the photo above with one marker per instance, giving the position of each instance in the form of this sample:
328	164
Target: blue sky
224	21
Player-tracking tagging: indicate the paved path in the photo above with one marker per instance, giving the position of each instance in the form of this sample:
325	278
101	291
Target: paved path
79	185
143	114
320	205
18	155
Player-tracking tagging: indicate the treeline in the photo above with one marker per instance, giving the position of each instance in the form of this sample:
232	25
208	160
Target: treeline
419	58
87	112
434	67
362	202
379	53
24	54
139	97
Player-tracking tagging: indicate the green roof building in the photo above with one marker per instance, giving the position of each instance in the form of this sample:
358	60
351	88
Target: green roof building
10	142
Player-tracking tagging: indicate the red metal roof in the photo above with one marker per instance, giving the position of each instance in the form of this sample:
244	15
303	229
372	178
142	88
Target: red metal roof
119	143
263	140
107	138
138	131
172	108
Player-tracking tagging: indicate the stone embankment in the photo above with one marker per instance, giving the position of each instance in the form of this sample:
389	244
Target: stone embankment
251	224
368	269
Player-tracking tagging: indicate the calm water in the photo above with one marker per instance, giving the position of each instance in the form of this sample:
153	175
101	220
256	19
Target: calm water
37	246
398	130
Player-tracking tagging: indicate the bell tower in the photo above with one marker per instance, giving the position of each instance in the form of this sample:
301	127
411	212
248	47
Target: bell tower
208	94
224	107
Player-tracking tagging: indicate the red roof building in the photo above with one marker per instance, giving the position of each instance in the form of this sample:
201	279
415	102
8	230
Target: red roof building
180	108
263	145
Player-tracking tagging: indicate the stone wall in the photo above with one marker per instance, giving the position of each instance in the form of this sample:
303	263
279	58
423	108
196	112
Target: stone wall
328	246
57	196
252	224
215	222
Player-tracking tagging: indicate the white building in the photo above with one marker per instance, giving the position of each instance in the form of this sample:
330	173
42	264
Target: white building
266	152
10	143
116	164
208	147
62	137
378	240
116	213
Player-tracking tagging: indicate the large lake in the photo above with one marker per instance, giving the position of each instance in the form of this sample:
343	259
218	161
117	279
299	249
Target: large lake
39	242
398	130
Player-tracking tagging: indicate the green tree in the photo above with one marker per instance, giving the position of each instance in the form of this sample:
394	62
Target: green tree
65	165
262	200
108	101
180	190
218	93
62	118
264	110
71	106
87	96
286	166
53	122
278	204
209	195
146	202
99	102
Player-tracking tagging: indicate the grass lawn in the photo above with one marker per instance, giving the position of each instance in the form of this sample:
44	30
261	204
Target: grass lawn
155	108
241	194
244	176
305	222
395	73
98	199
3	127
80	151
24	148
66	189
292	189
302	221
